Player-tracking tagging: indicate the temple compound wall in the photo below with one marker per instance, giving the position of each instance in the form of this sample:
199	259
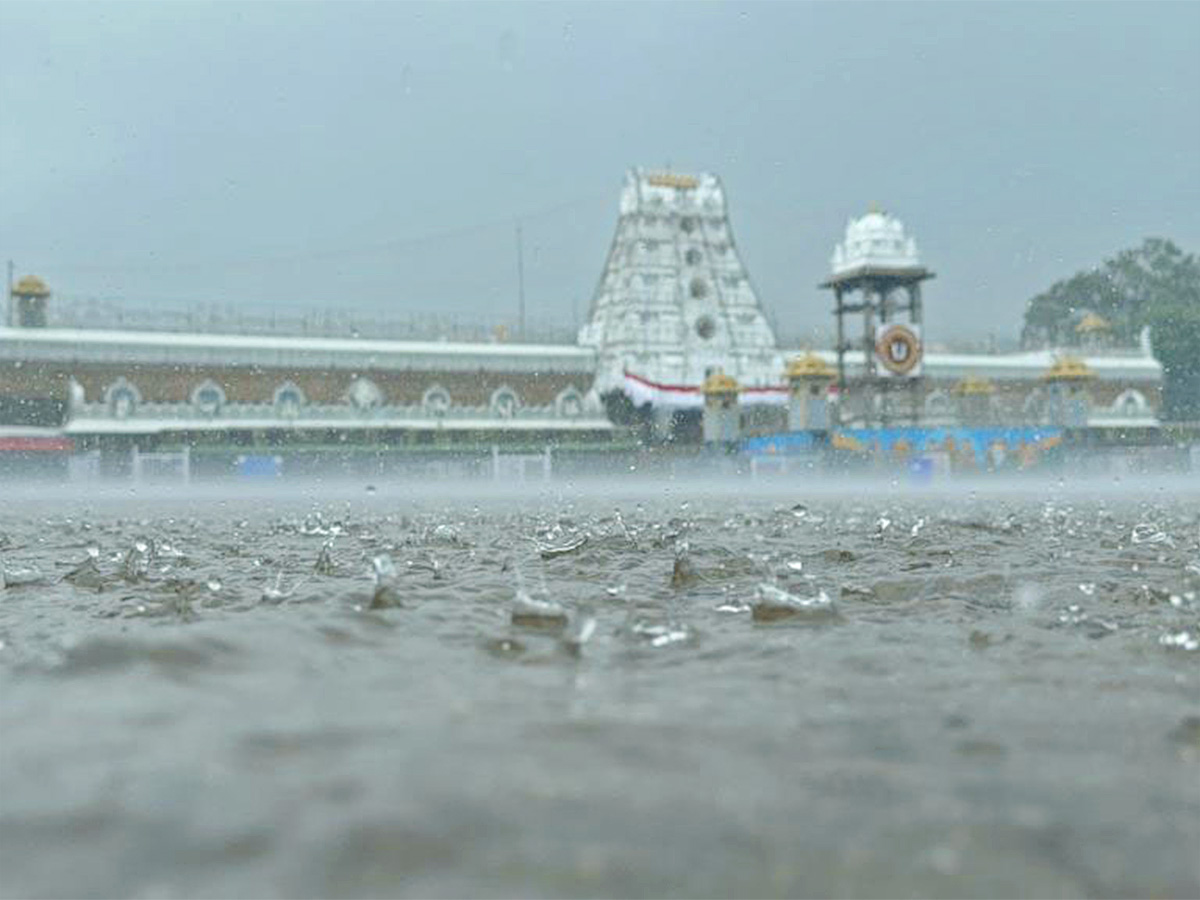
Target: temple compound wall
92	382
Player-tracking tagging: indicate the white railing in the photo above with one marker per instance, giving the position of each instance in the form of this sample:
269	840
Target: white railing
170	465
769	465
519	466
84	466
1124	417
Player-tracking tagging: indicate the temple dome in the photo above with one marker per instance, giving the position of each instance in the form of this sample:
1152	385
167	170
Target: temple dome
1068	368
875	240
808	366
974	386
719	383
1092	324
30	286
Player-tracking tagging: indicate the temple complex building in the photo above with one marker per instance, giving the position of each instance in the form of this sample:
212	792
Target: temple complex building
653	341
91	383
674	310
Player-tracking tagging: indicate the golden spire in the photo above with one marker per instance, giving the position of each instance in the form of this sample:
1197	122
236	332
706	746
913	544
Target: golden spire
974	386
30	286
719	383
1092	323
808	366
1068	368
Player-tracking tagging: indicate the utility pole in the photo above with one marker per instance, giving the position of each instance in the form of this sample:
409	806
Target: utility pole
520	286
8	296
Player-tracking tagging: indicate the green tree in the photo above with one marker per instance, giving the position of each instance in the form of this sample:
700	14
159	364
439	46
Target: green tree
1175	336
1155	285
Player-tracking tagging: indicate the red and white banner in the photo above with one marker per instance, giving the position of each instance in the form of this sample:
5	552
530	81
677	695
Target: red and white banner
687	396
36	444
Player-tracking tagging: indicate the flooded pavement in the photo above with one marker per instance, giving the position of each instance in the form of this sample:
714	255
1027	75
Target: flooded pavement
667	691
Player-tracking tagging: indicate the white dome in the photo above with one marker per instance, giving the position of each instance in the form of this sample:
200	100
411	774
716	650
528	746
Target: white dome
876	239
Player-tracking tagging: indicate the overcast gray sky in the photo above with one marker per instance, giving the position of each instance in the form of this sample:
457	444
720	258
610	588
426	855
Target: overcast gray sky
376	155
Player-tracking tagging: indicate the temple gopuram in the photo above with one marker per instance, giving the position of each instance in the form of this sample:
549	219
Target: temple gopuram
674	310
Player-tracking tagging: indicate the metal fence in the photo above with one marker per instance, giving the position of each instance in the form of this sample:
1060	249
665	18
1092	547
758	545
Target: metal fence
91	313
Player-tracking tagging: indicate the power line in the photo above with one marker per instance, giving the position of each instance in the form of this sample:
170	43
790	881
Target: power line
322	255
520	284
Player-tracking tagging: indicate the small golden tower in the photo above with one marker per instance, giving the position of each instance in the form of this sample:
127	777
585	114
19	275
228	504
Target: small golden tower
1067	380
27	304
1094	331
974	400
808	379
722	416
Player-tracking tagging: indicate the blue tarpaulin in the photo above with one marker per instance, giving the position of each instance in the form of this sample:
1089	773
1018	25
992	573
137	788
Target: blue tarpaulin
260	466
979	446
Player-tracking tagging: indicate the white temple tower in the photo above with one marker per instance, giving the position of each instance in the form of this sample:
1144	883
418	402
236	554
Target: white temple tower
876	275
675	302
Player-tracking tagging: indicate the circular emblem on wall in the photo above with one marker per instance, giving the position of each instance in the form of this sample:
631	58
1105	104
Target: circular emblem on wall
898	349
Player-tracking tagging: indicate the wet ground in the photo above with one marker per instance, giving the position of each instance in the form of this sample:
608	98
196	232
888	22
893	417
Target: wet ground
706	693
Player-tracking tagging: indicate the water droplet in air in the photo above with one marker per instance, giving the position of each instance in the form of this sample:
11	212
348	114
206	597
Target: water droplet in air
1183	640
386	582
1147	533
532	612
771	603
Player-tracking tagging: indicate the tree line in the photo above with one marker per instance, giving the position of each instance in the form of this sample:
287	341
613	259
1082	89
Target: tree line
1155	286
